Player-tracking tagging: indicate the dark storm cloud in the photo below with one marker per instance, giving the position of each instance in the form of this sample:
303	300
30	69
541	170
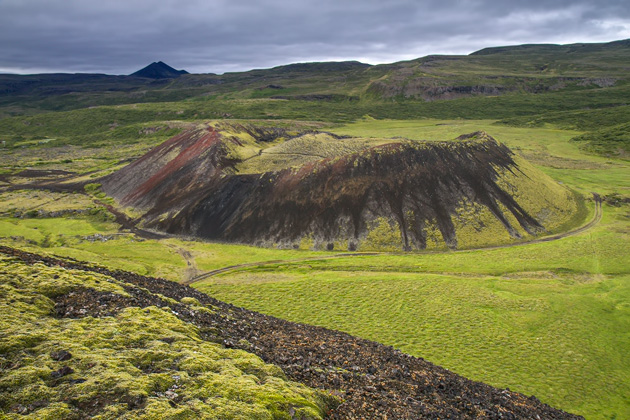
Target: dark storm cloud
120	36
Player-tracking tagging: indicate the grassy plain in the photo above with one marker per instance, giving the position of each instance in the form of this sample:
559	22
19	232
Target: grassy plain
87	239
548	319
83	231
562	337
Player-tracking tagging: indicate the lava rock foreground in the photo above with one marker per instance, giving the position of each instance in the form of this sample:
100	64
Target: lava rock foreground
374	380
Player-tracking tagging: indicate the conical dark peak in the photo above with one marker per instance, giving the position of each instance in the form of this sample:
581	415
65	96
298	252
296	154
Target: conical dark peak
159	70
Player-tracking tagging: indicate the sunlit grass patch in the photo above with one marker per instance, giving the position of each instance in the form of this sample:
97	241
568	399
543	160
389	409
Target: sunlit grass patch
552	337
548	319
24	201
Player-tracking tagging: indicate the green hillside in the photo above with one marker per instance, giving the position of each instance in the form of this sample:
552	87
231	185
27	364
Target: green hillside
543	312
490	72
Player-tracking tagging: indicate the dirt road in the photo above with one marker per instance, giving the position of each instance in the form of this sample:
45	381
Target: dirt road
597	216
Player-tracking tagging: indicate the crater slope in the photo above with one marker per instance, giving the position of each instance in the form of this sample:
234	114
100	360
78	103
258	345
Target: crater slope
272	187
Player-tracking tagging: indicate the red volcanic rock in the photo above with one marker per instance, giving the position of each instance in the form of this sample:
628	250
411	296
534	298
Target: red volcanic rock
189	185
168	172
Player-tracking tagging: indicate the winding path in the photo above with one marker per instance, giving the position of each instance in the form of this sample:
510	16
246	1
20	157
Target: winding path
191	265
193	274
597	217
263	263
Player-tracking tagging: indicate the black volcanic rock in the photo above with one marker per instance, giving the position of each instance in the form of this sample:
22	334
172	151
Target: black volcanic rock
189	185
159	70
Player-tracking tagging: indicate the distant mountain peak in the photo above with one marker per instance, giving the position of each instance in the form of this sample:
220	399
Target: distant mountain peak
159	70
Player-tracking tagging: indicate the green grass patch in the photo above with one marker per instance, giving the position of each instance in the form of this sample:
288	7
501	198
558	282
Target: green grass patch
24	201
60	229
548	319
610	141
584	120
556	335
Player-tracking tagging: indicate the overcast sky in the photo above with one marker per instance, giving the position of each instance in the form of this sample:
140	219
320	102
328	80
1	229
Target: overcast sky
203	36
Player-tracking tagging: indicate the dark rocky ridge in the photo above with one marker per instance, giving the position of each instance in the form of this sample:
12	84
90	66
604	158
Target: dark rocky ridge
375	381
330	66
188	185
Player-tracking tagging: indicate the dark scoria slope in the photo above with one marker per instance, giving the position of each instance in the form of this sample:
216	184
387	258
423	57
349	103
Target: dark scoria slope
374	381
192	160
409	190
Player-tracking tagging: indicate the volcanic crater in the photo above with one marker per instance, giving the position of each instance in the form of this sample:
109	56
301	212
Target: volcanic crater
273	186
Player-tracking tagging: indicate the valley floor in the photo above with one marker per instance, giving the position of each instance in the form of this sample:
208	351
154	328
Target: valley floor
549	319
366	379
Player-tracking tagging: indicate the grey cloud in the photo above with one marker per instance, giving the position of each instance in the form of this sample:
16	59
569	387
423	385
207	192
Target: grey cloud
119	36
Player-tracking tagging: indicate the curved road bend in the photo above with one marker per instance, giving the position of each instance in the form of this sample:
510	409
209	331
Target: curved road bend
597	217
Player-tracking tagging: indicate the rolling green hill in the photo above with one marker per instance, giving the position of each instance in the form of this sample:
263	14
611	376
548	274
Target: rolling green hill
522	85
489	72
294	149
